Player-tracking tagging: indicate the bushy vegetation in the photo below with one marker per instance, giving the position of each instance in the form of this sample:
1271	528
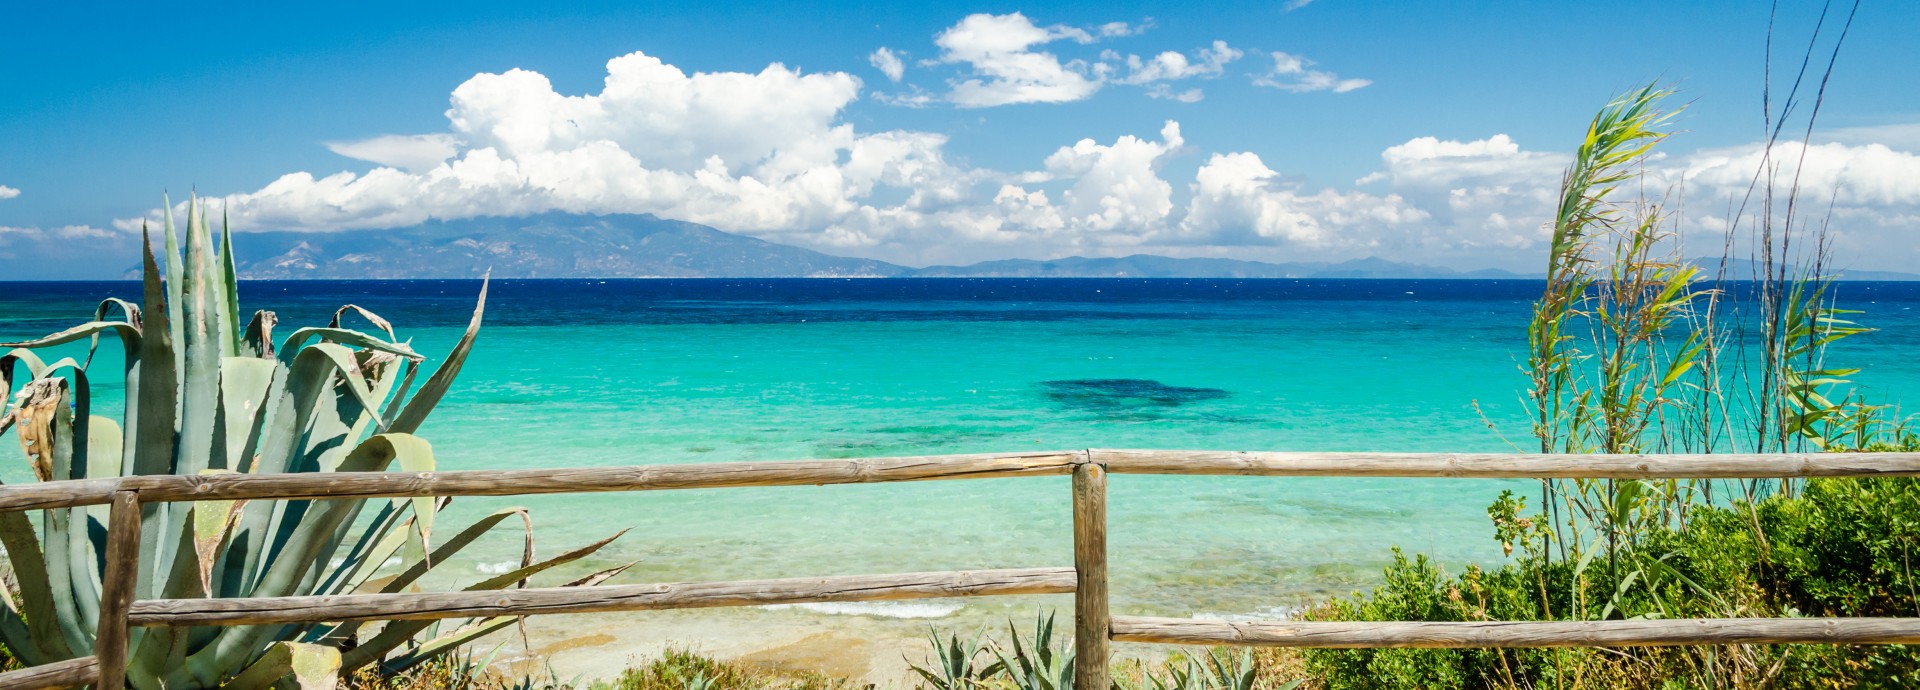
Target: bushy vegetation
1634	350
1841	547
208	392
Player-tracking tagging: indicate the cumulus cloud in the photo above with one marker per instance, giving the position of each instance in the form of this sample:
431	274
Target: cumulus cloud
999	50
1297	4
772	154
1479	193
1292	73
889	63
759	151
416	152
1867	194
8	192
1154	73
1237	199
1116	186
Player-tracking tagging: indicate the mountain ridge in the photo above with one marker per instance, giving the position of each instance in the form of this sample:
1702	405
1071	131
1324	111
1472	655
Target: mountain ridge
565	245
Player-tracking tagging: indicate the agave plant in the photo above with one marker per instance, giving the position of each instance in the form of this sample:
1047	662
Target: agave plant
209	393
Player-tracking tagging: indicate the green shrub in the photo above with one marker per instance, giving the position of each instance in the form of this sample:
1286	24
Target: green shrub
1842	547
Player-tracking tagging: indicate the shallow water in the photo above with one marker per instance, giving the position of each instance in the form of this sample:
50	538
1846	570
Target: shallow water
574	373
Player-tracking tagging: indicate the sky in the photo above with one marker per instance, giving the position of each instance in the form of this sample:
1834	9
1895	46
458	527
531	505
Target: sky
941	132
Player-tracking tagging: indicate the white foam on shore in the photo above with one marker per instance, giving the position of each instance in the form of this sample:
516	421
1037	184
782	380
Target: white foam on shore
500	568
1271	613
882	609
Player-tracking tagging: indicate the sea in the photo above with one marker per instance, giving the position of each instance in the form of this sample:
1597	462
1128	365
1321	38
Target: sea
581	373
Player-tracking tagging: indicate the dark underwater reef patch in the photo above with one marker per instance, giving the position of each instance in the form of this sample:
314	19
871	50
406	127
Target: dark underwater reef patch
1125	398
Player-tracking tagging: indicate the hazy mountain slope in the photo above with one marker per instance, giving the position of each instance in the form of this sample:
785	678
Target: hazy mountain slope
562	245
545	246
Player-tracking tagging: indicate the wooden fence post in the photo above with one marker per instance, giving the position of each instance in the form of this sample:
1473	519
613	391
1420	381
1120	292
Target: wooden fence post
116	589
1090	615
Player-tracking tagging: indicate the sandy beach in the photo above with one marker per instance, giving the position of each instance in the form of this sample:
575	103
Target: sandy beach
869	648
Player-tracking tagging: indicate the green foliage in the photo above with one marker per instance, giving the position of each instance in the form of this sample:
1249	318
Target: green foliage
684	670
209	393
1843	547
1035	663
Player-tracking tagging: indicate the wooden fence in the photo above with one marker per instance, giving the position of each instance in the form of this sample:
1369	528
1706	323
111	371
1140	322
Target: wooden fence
1086	579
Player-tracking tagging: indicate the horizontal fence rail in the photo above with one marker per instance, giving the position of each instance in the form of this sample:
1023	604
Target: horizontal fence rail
1086	580
1608	633
547	600
1508	465
350	485
60	674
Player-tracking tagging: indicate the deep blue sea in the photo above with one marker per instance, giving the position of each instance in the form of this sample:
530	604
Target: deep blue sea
580	373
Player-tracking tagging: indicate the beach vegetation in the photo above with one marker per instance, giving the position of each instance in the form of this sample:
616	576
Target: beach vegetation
208	392
1635	349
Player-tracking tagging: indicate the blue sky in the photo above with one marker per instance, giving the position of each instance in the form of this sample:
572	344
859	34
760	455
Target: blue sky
1060	146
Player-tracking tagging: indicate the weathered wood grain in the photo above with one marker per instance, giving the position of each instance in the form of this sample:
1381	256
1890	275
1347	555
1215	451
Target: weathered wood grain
1506	465
1612	633
165	488
427	606
71	673
1090	569
155	488
116	588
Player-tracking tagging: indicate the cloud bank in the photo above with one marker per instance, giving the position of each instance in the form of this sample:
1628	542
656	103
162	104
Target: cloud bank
771	154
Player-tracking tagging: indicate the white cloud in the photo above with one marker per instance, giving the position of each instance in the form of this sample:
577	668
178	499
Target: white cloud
8	192
1163	91
1481	193
999	49
1291	73
417	152
771	154
888	63
1237	199
9	234
1297	4
758	152
1173	65
1116	186
1867	194
1849	175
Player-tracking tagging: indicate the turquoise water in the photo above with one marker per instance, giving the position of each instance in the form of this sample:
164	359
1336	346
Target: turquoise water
583	373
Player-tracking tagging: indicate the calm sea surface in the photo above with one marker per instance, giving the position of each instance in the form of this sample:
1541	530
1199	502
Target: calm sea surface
579	373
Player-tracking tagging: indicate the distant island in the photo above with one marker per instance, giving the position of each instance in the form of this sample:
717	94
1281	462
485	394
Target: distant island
564	245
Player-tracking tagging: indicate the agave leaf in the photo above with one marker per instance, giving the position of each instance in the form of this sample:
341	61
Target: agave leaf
19	639
229	288
40	404
90	329
244	383
459	541
212	522
36	593
342	336
312	666
303	551
130	313
152	409
175	283
203	303
420	566
259	336
425	651
377	543
372	318
415	412
397	633
45	423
